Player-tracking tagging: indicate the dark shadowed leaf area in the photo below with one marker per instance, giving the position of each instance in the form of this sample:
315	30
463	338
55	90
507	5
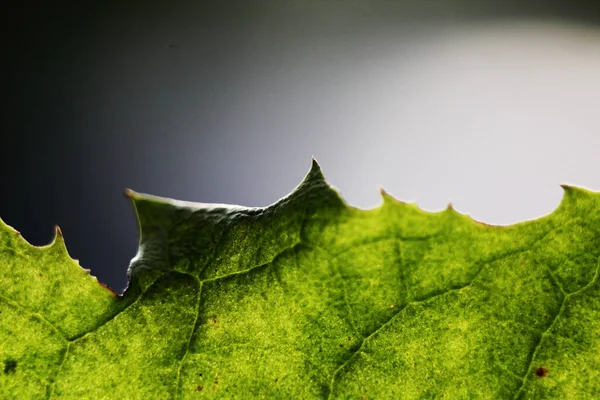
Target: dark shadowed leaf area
312	298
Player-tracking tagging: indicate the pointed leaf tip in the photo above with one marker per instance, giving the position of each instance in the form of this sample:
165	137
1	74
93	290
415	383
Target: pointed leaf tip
59	240
575	191
390	199
575	197
58	232
314	166
315	186
315	173
568	194
131	194
385	196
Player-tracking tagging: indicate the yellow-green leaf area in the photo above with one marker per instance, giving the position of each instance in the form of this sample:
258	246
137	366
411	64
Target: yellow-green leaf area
312	298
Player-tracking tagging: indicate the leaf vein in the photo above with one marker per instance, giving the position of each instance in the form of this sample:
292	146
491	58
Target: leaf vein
546	332
537	348
423	300
52	385
193	331
36	315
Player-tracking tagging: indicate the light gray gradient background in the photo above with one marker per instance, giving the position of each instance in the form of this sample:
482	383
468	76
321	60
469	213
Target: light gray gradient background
488	104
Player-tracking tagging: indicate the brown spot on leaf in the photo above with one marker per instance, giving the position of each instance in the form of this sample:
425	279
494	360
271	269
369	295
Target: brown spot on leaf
199	388
541	372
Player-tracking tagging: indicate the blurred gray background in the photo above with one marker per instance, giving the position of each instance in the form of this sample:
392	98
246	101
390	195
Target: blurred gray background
488	104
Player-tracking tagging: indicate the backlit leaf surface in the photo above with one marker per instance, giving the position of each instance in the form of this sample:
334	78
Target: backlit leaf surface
312	298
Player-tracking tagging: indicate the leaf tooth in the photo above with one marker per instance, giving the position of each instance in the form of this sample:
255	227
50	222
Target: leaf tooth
384	195
388	198
569	194
131	194
576	191
58	241
574	197
314	185
315	173
60	245
58	232
451	211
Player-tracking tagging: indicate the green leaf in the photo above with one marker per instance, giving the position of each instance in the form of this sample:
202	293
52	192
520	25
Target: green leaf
312	298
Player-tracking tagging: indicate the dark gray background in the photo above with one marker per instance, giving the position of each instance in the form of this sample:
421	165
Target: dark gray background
490	104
